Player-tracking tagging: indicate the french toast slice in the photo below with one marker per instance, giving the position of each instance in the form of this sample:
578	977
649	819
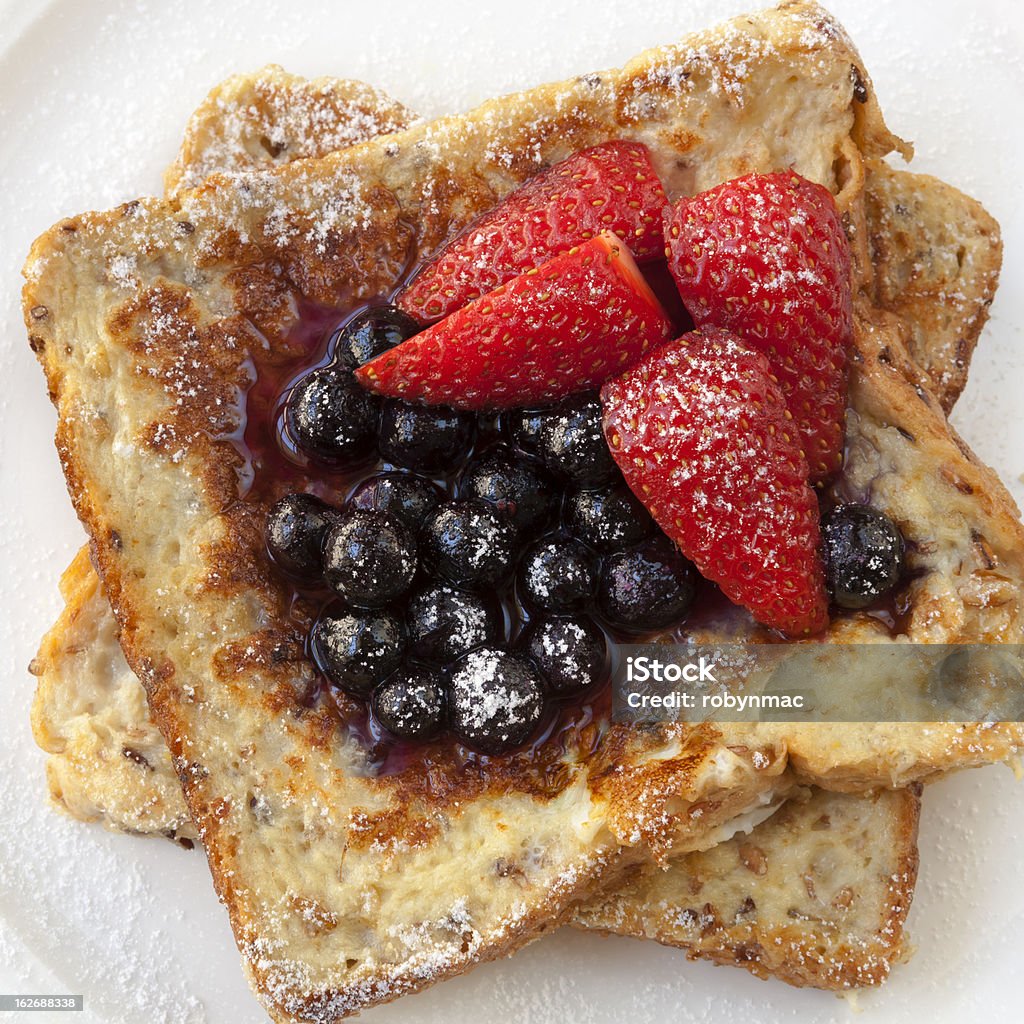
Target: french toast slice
109	763
936	255
815	895
272	117
201	618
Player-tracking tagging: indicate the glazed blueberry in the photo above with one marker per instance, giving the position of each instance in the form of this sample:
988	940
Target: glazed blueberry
557	574
424	437
608	520
371	333
524	428
405	496
863	553
369	558
356	650
469	544
496	699
445	622
568	438
517	488
296	528
571	653
646	587
331	418
412	704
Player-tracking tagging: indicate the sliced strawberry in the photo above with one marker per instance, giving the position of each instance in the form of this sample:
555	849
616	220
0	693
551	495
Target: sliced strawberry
611	187
766	257
564	327
700	431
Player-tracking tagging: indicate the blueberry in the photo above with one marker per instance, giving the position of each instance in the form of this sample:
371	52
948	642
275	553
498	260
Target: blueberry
646	587
525	427
445	622
608	520
369	558
405	496
296	528
424	437
863	552
557	574
520	490
571	653
496	699
469	544
331	418
412	704
568	438
356	650
371	333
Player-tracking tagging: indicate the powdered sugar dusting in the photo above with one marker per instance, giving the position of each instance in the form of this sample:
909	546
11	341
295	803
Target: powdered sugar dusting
495	697
274	117
535	997
700	431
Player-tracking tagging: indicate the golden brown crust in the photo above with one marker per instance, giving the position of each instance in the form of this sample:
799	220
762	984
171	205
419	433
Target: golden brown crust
817	895
936	256
270	118
123	304
107	759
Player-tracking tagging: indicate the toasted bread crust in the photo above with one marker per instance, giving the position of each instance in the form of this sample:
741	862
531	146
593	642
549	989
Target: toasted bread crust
816	895
118	305
108	761
271	118
936	256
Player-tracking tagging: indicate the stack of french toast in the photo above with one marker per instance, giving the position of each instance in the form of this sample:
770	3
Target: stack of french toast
173	699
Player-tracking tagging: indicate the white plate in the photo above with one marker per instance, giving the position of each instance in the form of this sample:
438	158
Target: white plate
92	100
